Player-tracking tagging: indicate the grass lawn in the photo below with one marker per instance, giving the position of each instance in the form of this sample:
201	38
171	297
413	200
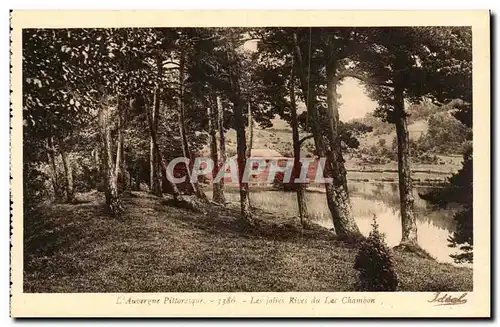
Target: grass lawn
155	247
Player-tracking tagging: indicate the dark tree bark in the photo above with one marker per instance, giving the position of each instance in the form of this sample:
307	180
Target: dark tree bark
54	176
222	145
327	145
218	195
239	122
154	174
68	174
408	219
182	129
120	159
126	181
250	131
137	184
301	200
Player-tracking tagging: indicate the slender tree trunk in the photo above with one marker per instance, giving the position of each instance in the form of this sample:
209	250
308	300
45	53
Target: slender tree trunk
238	105
68	174
337	195
222	145
182	129
138	182
217	195
111	188
120	161
136	173
250	131
119	144
175	190
154	174
126	177
58	194
408	219
301	201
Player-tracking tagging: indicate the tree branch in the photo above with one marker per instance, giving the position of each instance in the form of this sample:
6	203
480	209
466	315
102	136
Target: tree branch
305	138
360	76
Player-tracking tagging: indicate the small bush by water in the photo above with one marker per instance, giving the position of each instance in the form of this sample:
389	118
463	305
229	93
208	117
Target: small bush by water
374	264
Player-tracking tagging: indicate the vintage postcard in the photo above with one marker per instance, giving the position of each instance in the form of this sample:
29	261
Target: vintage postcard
250	164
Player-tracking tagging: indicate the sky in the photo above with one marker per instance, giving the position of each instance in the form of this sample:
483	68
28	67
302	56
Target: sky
354	103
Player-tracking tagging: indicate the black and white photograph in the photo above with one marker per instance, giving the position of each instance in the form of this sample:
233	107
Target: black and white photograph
249	159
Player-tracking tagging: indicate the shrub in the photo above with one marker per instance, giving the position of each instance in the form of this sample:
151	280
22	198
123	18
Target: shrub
374	264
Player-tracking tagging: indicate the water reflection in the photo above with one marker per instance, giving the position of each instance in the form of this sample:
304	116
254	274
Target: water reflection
382	199
434	224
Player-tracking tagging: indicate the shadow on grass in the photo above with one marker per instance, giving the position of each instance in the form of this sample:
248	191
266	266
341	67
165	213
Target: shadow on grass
220	219
158	247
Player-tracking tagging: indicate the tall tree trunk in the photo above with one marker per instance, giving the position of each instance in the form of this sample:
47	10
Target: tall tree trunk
217	194
250	131
239	122
68	174
119	146
111	188
182	129
301	201
222	145
337	195
121	172
126	176
154	174
175	190
137	184
54	177
340	203
408	220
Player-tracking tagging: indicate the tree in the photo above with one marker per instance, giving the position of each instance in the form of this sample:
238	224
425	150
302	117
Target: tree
50	105
406	64
278	92
459	189
154	174
449	140
238	104
332	44
213	119
319	55
222	147
182	127
393	70
111	191
297	167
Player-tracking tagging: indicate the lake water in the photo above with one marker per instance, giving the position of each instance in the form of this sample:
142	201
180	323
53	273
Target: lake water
381	199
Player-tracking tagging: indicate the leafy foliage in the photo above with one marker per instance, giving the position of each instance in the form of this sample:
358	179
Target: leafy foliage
449	140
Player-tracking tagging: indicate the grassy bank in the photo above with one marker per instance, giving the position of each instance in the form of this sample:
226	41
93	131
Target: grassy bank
155	247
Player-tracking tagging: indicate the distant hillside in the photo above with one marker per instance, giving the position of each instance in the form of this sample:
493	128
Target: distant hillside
278	138
433	145
415	129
